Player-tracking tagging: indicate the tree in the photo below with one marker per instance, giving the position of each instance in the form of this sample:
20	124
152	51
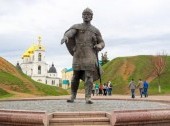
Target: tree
159	64
104	58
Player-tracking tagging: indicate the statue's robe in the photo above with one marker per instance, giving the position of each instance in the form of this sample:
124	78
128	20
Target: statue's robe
81	47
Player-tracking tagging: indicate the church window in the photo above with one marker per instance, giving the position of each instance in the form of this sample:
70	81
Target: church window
39	69
53	82
39	57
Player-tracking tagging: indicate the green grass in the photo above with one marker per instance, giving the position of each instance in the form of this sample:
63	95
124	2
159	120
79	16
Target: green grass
143	70
81	85
110	70
4	94
47	89
50	90
165	85
142	67
165	81
14	82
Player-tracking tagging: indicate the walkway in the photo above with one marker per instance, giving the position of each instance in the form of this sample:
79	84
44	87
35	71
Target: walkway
161	98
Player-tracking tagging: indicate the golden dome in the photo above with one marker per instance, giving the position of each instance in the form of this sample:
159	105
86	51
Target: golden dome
33	48
26	54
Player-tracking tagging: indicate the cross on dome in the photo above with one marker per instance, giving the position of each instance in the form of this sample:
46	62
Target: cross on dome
39	40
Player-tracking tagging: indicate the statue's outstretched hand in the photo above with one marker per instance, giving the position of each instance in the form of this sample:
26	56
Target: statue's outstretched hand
98	47
65	39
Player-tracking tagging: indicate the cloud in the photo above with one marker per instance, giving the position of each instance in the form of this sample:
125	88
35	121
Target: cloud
128	27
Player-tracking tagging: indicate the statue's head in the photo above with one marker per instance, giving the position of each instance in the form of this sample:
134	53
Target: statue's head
87	14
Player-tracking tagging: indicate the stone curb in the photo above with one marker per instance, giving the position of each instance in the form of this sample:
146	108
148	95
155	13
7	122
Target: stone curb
142	117
23	118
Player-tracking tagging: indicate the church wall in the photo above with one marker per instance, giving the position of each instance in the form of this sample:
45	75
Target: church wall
53	81
52	74
26	59
41	79
26	68
31	57
36	53
43	69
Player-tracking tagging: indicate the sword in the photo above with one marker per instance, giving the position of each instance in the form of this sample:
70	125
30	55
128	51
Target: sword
98	69
98	65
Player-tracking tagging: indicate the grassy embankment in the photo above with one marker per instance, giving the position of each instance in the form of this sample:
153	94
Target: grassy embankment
13	83
121	70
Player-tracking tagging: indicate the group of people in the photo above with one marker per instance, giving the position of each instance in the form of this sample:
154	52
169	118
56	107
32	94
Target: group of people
102	89
142	86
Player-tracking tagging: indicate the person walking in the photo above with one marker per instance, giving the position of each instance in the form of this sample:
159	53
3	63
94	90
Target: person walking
104	89
100	89
132	87
109	88
93	89
140	86
97	89
145	88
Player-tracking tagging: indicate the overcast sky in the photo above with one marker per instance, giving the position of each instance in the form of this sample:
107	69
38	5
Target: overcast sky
128	27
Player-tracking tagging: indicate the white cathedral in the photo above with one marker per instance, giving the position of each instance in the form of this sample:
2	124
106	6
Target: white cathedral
34	65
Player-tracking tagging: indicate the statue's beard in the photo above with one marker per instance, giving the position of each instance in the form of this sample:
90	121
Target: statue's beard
87	20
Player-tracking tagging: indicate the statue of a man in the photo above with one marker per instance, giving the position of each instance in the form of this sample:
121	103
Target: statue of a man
83	42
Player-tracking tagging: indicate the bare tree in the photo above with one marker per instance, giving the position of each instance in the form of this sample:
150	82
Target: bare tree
159	64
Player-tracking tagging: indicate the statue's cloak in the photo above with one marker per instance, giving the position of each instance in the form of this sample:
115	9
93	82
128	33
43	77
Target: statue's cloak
71	42
71	48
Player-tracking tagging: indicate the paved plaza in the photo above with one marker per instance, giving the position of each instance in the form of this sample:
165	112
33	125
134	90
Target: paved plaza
101	103
114	110
159	98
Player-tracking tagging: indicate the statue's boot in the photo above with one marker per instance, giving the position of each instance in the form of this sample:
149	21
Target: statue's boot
72	98
89	101
88	87
74	87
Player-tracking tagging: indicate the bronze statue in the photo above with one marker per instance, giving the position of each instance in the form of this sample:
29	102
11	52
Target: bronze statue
83	42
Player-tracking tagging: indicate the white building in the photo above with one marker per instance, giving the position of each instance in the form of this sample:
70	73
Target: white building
34	65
